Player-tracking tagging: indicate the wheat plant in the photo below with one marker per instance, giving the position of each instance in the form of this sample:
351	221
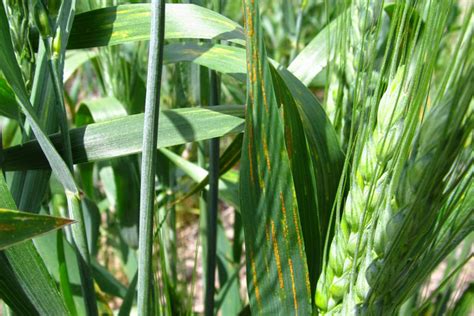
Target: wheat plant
236	157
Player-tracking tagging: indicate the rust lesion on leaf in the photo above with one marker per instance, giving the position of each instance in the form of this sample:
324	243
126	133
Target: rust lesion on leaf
262	85
284	219
7	228
249	22
277	256
266	152
255	281
267	233
297	228
293	286
306	279
253	69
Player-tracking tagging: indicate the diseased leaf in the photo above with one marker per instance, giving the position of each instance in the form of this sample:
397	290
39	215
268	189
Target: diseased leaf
277	277
16	227
324	159
38	286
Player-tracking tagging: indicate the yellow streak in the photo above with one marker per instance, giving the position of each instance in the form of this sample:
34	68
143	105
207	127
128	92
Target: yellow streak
308	286
266	153
283	209
120	34
277	256
262	83
297	226
300	244
249	26
293	286
255	281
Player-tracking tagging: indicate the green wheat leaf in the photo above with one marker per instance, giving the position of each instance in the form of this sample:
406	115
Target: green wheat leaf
122	136
16	227
131	22
278	277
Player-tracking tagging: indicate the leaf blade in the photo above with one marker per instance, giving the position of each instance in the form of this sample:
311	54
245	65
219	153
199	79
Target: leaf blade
127	23
123	135
278	278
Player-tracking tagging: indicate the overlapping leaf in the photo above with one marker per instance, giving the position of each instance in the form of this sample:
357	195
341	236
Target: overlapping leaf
16	227
8	104
32	275
277	272
123	136
131	22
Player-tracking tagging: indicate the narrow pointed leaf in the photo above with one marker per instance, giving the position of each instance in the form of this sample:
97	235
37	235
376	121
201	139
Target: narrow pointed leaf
16	227
29	269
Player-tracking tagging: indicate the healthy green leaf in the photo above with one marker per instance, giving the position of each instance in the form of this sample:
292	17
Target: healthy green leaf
224	59
131	22
11	291
227	190
121	137
228	159
99	110
8	104
105	280
315	56
74	60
